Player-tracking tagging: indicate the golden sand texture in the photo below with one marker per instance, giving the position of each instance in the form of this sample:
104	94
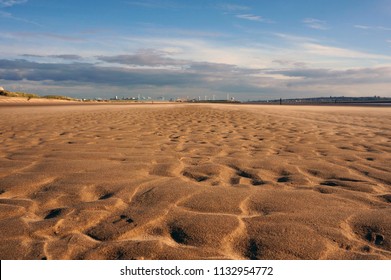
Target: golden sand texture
5	100
195	182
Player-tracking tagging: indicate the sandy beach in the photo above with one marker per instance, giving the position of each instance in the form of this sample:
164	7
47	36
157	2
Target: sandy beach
192	181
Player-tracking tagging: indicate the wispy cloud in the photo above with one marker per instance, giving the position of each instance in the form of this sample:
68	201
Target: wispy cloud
365	27
253	17
349	76
316	23
295	39
250	17
242	12
234	8
146	57
60	56
330	51
7	15
10	3
154	4
368	27
290	63
47	35
177	31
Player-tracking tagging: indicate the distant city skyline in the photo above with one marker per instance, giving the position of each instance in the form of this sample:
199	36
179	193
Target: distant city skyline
250	49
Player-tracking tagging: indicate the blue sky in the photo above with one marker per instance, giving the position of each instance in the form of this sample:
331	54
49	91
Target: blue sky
249	49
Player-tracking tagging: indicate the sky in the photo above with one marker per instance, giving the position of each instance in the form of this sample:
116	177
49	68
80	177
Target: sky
250	50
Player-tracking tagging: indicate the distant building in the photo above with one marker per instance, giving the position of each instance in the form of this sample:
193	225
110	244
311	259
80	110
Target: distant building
2	89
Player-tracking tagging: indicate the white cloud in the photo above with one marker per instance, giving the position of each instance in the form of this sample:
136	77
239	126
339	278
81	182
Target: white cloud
316	23
7	15
201	50
9	3
365	27
316	53
235	10
177	31
330	51
251	17
368	27
295	38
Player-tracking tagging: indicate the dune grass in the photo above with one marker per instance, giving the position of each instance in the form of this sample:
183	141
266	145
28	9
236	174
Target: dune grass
33	95
18	94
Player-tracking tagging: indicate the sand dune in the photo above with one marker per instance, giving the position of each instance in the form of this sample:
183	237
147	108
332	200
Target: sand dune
195	182
5	100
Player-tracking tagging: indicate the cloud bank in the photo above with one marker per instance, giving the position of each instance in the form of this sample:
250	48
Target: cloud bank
148	69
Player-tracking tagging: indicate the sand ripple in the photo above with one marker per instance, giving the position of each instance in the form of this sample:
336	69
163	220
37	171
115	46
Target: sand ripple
195	182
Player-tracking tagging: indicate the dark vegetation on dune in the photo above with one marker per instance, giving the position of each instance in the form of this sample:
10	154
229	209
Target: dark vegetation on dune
33	95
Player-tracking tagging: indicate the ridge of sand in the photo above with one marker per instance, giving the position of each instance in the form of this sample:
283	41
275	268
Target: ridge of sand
195	182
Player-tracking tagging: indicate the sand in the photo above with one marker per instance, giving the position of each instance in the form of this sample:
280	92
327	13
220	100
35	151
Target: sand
195	182
5	100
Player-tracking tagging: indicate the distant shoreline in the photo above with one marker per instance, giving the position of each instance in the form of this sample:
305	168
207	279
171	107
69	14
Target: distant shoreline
374	104
21	101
